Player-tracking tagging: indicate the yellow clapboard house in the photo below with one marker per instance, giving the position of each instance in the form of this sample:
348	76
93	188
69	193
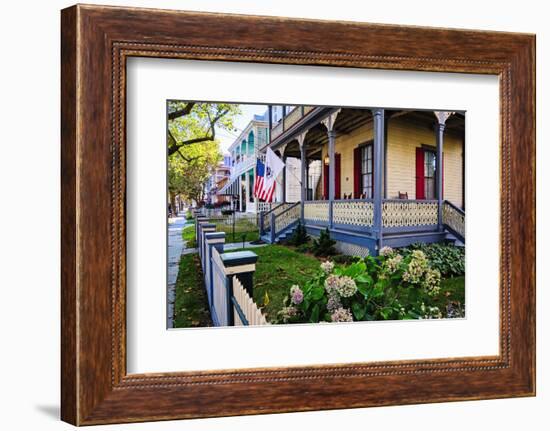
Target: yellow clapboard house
372	177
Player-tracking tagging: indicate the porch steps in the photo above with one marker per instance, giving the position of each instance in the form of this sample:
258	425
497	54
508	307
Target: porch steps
282	236
450	238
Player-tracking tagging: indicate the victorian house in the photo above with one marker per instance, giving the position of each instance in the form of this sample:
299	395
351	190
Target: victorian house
218	179
244	152
373	177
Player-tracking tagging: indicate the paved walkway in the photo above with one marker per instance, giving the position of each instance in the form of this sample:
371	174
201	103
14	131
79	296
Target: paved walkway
175	248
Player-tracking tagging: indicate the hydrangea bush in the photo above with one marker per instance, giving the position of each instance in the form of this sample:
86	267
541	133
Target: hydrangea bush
391	286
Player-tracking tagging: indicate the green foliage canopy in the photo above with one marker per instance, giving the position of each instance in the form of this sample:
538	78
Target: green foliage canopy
193	150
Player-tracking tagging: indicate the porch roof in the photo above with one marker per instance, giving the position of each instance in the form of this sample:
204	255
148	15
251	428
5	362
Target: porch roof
349	119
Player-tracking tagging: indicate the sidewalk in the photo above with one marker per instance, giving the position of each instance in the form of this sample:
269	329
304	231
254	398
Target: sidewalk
175	248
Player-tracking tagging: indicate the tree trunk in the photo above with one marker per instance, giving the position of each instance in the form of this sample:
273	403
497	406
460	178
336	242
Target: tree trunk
173	203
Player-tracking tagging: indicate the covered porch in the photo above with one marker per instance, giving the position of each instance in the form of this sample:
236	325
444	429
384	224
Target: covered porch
377	185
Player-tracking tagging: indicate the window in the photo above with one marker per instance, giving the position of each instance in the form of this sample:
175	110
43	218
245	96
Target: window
366	171
251	143
429	175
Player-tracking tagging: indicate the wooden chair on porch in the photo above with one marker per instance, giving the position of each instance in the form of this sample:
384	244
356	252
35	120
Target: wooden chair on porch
403	195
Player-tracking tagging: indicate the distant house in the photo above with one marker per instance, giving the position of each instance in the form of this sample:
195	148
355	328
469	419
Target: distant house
373	177
219	178
244	152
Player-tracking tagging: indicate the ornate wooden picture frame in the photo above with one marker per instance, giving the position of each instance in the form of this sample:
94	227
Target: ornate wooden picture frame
96	41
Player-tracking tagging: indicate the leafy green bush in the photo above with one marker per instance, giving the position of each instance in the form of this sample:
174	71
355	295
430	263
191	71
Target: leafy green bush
299	236
188	215
345	259
387	287
448	259
303	248
324	245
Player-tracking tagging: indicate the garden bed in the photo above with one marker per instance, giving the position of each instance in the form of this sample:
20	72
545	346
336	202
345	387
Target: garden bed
277	269
281	267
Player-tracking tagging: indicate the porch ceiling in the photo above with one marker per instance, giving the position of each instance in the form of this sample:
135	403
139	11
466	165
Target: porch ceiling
350	119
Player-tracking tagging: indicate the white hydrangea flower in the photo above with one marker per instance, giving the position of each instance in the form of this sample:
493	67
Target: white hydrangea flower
327	266
341	315
386	251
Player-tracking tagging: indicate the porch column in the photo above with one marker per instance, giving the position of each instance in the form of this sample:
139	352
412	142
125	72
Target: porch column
307	177
378	131
240	193
270	122
441	117
301	142
331	175
329	124
247	190
283	185
284	179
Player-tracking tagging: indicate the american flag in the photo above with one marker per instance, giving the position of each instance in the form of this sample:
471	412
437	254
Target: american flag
266	194
259	190
259	182
272	168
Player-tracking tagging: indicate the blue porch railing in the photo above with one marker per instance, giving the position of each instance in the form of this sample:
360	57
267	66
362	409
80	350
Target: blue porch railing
284	219
454	219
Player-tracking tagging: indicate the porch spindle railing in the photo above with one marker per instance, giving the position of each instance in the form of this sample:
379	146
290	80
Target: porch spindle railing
265	217
286	218
454	219
317	212
405	213
360	212
353	212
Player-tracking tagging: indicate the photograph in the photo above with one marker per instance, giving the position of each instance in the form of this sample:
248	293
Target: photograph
300	214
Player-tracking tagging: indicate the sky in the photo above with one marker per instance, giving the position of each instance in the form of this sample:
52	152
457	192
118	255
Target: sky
226	138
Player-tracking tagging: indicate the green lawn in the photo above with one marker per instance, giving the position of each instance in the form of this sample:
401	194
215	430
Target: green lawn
277	269
452	290
191	304
242	227
188	235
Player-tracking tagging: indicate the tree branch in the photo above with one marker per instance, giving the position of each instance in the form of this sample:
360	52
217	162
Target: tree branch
181	112
188	159
175	148
212	128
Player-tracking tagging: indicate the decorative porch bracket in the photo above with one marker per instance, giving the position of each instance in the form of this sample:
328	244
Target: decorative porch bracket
378	133
329	122
441	117
301	141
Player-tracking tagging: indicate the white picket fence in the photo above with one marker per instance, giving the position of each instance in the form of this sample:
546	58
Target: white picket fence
249	313
229	301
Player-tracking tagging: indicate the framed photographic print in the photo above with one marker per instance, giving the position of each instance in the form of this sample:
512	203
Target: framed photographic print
287	215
